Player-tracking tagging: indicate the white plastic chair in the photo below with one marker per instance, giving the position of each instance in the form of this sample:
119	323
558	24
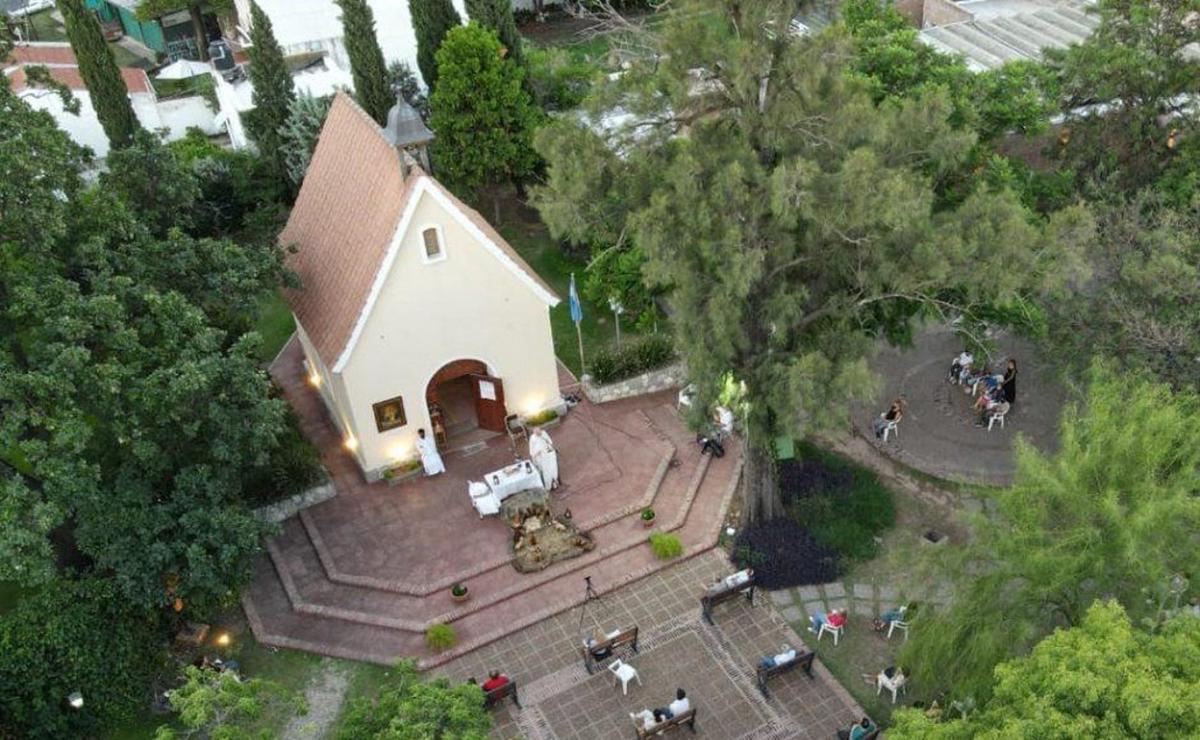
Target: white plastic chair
835	631
998	414
895	684
892	427
624	673
899	624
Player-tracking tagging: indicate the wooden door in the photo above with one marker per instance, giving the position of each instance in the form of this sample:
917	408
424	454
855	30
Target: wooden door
489	402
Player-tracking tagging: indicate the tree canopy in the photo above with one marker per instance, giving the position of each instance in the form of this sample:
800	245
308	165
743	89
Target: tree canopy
791	217
110	98
408	708
1103	678
371	88
432	20
1112	514
483	115
224	706
498	16
274	91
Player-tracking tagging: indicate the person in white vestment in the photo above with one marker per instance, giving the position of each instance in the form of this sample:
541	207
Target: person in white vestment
430	459
545	457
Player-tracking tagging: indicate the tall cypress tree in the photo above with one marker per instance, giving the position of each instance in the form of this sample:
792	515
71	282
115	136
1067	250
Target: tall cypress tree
370	73
274	90
100	73
498	16
432	20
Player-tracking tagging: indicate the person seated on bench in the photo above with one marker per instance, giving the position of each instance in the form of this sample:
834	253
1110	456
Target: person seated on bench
835	618
600	639
786	655
722	583
858	730
677	707
646	718
496	679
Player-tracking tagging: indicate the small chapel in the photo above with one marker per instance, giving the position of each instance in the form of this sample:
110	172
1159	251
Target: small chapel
413	312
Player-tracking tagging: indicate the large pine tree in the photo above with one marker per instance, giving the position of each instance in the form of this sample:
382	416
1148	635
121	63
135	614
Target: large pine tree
498	16
371	86
432	20
100	73
274	90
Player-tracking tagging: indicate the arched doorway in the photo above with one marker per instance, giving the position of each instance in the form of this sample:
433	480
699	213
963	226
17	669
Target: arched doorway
465	400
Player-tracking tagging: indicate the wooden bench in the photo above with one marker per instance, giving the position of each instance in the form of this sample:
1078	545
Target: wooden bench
625	637
803	660
712	598
683	718
500	693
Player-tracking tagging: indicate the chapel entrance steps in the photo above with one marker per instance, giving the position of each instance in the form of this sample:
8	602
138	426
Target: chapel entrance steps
292	602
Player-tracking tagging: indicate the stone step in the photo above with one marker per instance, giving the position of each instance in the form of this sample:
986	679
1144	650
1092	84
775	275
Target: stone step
267	603
312	592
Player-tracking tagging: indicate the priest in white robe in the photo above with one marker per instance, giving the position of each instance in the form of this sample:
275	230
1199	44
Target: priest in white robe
430	459
545	458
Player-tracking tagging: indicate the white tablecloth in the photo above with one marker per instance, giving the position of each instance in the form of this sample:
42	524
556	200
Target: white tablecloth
515	478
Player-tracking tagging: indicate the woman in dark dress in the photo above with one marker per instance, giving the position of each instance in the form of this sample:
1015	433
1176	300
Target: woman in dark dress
1009	384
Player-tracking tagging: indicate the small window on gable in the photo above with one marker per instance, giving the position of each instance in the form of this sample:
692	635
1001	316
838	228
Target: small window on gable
433	244
389	414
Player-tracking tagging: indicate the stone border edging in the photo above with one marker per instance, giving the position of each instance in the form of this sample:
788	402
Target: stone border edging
651	381
289	507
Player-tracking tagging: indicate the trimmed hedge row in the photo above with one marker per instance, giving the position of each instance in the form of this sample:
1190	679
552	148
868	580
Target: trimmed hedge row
632	358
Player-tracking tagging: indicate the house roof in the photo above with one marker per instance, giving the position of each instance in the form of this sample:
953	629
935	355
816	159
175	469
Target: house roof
1005	30
60	61
354	202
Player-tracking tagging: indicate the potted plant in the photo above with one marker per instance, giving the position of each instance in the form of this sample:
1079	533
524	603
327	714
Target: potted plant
460	593
647	517
440	637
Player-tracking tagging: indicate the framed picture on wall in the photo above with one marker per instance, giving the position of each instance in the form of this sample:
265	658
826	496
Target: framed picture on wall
389	414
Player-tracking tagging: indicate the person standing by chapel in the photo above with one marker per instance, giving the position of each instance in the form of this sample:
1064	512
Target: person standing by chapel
431	460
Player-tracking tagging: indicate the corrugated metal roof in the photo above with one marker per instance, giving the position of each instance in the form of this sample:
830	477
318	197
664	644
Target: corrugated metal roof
994	37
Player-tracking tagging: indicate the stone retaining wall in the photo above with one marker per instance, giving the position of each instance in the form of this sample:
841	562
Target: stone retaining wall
289	507
671	376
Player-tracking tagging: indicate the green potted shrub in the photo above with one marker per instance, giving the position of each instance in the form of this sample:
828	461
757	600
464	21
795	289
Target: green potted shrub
460	593
440	637
547	418
647	517
665	546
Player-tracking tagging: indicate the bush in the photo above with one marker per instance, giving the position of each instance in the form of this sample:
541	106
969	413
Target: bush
407	707
784	554
543	417
233	185
843	505
632	358
558	81
293	468
440	637
75	636
665	546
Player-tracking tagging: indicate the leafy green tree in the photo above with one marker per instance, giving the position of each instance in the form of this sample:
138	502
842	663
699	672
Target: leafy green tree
110	98
1106	516
366	59
151	180
1140	309
218	705
432	20
1128	86
792	218
557	80
408	708
75	636
1102	678
274	91
299	135
483	116
239	192
148	10
128	417
497	15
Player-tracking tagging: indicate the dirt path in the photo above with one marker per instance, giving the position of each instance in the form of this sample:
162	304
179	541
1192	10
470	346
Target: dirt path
325	694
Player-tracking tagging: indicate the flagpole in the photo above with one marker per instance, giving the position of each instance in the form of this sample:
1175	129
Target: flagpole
579	334
577	318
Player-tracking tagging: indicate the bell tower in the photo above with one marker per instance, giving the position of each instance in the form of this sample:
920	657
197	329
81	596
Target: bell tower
408	133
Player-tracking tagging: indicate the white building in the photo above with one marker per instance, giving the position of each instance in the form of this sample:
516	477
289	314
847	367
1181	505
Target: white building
174	116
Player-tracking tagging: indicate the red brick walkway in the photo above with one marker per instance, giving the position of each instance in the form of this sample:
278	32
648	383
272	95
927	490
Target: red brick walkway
363	575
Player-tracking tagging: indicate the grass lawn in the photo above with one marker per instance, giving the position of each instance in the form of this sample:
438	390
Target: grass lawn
530	238
275	325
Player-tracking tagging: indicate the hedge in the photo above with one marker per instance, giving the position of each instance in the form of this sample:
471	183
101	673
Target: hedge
632	358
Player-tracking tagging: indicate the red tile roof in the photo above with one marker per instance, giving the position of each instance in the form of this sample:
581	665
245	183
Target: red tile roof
344	218
60	60
348	210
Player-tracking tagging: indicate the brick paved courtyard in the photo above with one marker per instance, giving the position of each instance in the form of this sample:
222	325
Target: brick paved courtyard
714	664
366	573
